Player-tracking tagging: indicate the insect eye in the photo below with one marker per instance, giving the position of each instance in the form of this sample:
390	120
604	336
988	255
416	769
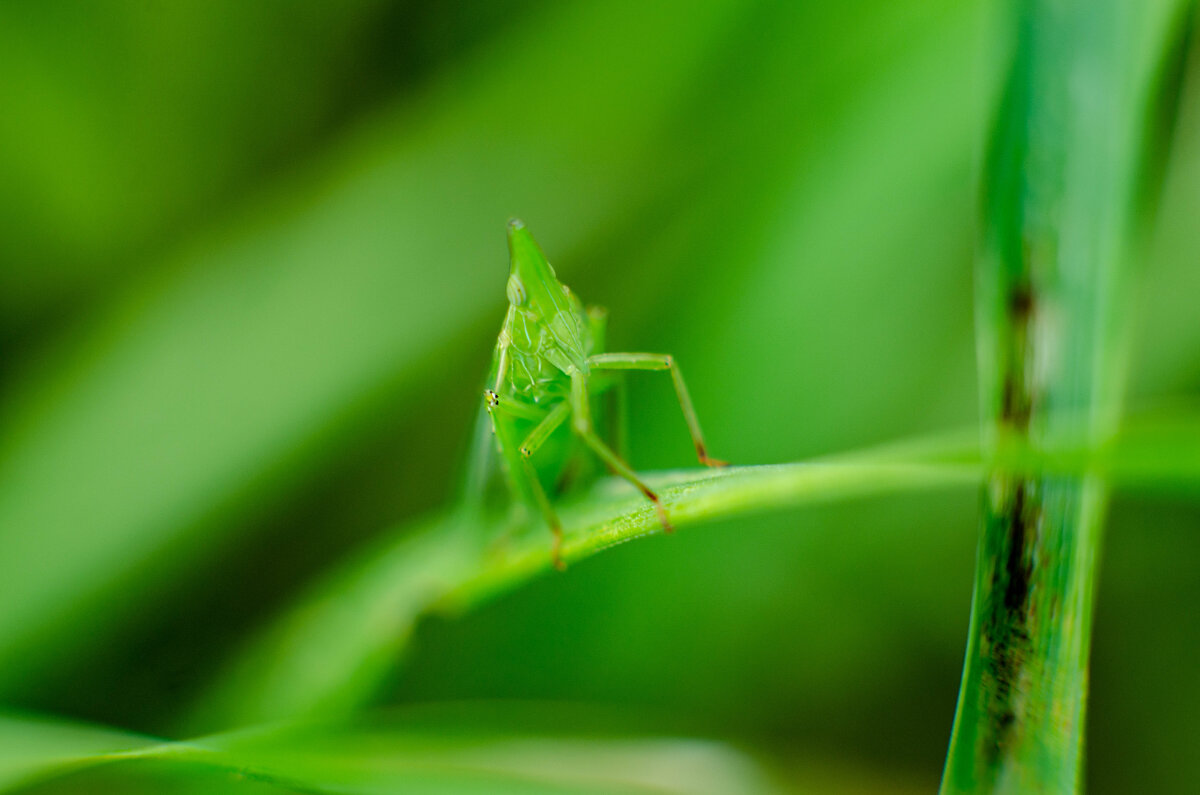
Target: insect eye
516	290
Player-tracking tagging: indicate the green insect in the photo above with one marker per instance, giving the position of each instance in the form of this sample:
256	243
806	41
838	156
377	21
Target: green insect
549	364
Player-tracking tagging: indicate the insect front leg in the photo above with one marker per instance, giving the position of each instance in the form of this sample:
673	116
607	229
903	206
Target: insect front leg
582	424
538	436
521	474
661	361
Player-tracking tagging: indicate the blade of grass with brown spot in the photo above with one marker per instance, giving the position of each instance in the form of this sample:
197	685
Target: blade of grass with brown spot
1060	196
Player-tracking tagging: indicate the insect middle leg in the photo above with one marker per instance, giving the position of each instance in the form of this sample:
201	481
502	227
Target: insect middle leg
582	424
661	361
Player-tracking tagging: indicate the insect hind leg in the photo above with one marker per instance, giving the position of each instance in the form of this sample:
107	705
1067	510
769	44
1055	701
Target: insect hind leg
582	424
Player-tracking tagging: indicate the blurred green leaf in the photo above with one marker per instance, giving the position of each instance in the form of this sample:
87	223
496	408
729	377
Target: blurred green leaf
466	749
31	746
127	122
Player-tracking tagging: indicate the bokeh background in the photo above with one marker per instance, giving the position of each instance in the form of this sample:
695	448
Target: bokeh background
252	265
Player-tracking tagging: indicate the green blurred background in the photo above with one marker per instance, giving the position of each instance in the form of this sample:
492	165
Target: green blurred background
252	264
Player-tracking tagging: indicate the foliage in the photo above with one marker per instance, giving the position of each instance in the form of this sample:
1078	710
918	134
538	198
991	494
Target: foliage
251	265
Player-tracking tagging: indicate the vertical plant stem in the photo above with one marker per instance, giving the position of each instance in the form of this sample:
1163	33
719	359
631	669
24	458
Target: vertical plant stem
1060	185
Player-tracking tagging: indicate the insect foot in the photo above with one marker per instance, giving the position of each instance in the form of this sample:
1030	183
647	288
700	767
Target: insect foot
661	511
702	454
556	550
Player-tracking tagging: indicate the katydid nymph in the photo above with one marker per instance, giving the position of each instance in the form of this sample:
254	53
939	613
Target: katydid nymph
548	364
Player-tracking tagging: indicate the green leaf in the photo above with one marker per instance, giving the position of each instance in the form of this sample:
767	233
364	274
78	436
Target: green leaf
32	746
462	749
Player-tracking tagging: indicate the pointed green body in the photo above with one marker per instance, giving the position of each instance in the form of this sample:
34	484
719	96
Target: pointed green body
546	332
546	336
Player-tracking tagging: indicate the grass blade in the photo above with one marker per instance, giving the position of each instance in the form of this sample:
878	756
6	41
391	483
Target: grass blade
501	748
1061	208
